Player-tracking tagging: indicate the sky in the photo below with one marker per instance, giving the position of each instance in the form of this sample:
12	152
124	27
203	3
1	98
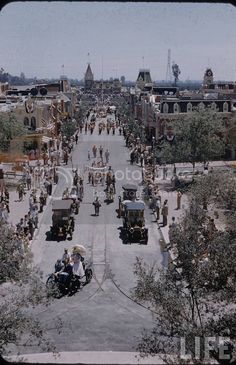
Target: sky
118	38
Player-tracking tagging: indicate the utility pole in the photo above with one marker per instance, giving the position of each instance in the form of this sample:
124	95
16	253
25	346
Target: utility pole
102	80
168	69
115	70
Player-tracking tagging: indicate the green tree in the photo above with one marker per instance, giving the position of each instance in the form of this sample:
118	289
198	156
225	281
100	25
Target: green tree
68	128
21	291
198	138
9	128
196	295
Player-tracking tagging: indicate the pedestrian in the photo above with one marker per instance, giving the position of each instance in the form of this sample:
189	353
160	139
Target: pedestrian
20	190
179	196
141	159
120	130
107	154
76	138
31	202
97	206
94	151
31	227
34	215
41	201
25	223
89	155
158	207
46	185
89	177
101	151
165	170
7	199
164	212
66	157
103	178
28	180
55	175
174	170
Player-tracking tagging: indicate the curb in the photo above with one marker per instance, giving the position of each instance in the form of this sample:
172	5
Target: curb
87	357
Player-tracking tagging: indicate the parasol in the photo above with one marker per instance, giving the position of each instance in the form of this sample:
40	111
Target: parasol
79	249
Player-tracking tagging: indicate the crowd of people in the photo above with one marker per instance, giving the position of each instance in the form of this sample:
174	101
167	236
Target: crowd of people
36	185
143	155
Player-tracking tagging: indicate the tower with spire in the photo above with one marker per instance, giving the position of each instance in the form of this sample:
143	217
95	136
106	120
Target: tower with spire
144	77
88	78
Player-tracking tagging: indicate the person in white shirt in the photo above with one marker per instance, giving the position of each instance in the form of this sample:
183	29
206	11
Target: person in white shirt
78	269
77	272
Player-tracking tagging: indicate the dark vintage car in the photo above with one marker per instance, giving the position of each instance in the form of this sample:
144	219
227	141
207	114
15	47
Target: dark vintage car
129	193
62	219
134	229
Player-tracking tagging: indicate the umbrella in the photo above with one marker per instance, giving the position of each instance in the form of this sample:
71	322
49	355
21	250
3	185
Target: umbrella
79	249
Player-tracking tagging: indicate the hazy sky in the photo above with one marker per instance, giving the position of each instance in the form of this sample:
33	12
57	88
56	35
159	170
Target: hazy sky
37	38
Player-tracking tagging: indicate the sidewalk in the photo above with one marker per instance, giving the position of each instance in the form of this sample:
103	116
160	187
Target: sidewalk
178	214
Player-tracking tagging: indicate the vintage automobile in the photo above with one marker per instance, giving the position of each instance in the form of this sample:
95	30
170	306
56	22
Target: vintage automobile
62	219
134	229
129	193
74	195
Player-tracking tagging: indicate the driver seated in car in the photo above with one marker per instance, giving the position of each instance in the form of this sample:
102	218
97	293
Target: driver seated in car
65	274
66	193
65	256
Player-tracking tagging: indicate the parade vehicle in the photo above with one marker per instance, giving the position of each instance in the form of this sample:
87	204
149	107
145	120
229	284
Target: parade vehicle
74	196
134	229
62	219
60	282
129	193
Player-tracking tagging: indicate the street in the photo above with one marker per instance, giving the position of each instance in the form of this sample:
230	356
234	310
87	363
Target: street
102	316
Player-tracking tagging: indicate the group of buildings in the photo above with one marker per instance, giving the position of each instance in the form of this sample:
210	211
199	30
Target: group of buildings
41	108
155	107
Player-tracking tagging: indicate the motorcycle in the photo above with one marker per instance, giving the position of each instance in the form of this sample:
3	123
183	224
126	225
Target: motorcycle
61	283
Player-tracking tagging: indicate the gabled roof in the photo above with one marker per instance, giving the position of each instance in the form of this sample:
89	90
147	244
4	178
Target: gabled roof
88	73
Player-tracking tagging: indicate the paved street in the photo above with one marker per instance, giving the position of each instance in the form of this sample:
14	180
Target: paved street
102	316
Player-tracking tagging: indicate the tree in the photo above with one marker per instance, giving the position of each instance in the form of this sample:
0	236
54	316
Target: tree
195	298
198	138
176	72
9	128
68	128
22	291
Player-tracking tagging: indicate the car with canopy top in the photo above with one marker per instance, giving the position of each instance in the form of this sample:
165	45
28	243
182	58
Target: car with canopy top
62	219
134	229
